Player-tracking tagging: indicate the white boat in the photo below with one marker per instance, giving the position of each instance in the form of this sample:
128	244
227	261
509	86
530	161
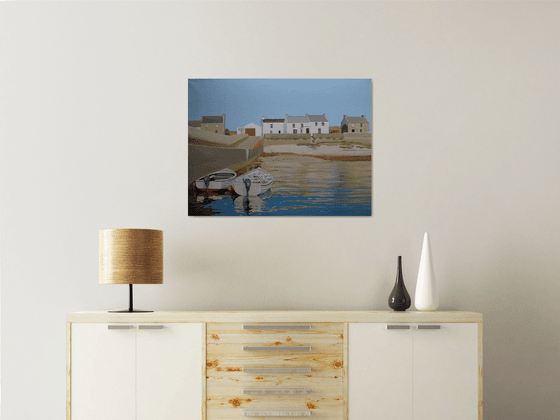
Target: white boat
219	180
255	182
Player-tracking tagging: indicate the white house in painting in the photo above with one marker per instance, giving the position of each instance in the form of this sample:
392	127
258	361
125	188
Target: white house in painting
308	124
250	129
272	126
296	125
318	124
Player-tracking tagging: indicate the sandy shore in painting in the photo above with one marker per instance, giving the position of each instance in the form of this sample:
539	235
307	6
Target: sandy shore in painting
323	151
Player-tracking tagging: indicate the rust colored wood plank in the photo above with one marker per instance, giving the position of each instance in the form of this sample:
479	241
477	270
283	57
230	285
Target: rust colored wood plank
204	385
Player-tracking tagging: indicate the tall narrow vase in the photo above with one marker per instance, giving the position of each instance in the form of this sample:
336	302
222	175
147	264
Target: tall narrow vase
426	298
399	299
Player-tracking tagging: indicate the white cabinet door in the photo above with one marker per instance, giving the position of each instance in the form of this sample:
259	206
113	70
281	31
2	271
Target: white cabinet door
445	372
379	372
169	371
103	372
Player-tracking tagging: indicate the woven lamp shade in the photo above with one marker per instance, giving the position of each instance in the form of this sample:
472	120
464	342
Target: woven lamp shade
130	256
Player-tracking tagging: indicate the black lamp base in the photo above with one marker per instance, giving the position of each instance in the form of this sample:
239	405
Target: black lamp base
127	310
130	307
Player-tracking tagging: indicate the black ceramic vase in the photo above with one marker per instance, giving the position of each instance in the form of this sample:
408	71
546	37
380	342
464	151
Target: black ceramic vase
399	299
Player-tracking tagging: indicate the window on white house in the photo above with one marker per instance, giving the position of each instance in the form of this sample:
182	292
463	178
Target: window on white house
315	124
322	123
293	126
270	125
302	124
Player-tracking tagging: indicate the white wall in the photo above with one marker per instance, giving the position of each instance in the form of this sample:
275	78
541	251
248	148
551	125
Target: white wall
93	135
277	128
314	129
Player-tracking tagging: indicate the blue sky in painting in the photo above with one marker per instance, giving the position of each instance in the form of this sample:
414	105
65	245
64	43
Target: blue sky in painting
248	100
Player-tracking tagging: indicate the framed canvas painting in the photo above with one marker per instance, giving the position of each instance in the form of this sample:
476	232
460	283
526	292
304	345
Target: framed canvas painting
279	147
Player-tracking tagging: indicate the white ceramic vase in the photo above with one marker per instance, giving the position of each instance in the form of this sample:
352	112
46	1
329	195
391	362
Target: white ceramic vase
426	297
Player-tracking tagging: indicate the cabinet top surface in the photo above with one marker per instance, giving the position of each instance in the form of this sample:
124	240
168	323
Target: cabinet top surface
276	316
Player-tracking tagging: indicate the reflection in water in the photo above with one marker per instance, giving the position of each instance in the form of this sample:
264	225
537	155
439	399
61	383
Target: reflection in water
251	204
303	186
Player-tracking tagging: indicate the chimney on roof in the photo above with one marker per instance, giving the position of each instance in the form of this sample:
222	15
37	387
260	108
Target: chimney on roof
363	116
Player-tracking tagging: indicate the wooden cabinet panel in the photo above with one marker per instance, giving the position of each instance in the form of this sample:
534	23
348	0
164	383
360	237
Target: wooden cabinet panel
169	371
103	372
231	387
286	333
445	372
379	372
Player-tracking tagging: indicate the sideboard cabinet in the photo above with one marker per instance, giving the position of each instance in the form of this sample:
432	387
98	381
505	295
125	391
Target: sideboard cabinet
331	365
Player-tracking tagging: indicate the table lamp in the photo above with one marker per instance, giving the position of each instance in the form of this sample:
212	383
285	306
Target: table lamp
130	256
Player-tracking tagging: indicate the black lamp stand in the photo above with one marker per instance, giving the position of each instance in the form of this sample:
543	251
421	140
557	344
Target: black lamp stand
130	307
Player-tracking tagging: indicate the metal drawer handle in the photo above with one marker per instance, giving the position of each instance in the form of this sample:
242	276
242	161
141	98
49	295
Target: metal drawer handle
119	327
398	327
278	413
150	327
276	327
275	391
429	327
277	348
277	370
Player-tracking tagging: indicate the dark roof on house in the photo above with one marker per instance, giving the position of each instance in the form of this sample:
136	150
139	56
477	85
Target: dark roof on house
317	118
213	119
194	123
273	120
361	119
296	119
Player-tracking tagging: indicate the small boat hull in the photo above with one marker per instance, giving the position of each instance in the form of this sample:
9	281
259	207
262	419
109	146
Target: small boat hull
253	183
254	189
216	181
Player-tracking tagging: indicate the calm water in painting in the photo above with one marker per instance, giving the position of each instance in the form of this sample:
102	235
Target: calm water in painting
303	186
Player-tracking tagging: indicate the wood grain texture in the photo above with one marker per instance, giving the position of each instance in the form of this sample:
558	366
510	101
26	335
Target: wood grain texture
203	405
294	380
276	349
277	316
130	256
68	371
345	372
286	370
228	370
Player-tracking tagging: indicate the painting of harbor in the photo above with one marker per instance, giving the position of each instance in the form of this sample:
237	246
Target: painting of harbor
279	147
